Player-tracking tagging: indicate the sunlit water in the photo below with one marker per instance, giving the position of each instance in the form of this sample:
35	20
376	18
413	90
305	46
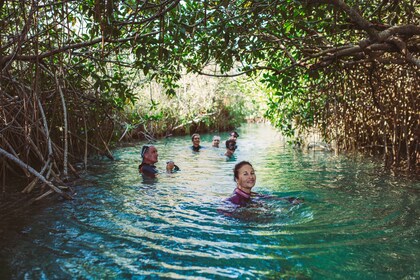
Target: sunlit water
356	222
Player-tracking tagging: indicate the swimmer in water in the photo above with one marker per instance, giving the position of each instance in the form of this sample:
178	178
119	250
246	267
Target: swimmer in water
245	178
230	148
195	138
233	135
171	167
149	155
216	141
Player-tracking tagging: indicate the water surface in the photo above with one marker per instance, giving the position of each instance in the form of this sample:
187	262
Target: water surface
357	222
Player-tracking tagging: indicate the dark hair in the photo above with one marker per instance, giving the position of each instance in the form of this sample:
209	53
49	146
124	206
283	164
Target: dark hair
192	136
230	141
144	150
237	167
234	133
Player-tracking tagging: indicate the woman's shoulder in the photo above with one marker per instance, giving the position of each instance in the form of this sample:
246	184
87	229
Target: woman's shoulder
238	199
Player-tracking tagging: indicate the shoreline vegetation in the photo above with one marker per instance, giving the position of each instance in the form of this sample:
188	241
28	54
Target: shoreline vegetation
204	105
77	78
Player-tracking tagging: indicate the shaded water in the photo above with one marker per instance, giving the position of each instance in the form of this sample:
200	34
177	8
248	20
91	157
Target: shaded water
356	222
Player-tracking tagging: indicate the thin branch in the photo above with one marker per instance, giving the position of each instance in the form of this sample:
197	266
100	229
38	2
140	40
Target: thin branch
25	166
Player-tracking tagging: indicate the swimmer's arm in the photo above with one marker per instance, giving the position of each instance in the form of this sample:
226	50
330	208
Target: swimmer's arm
255	194
291	199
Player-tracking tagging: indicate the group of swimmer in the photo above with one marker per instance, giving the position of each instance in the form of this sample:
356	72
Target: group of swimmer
243	172
230	143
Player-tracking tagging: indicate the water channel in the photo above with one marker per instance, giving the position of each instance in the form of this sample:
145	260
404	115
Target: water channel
357	222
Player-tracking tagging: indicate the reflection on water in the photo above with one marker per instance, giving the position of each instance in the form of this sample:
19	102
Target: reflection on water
356	222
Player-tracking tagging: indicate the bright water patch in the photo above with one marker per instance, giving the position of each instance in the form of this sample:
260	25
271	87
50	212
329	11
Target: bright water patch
356	221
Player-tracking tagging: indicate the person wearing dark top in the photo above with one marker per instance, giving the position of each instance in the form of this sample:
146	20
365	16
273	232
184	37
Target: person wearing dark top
230	148
149	155
240	198
195	138
245	178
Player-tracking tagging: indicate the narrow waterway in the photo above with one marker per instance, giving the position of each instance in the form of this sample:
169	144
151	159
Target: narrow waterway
356	222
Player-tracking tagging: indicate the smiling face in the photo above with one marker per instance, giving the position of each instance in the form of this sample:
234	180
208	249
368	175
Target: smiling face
195	140
245	178
216	142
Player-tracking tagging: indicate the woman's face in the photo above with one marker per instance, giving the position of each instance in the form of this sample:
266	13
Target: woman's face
246	178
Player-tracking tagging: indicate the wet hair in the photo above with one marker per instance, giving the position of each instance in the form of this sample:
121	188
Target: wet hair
144	149
237	167
176	168
229	142
194	135
234	133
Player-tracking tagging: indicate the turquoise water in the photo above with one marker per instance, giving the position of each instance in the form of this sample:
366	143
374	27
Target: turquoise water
357	222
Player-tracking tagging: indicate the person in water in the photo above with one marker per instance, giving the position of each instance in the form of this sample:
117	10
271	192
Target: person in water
149	155
245	178
195	138
234	135
230	148
216	141
171	167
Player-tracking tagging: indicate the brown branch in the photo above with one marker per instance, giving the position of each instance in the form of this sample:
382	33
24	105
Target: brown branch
406	30
53	52
34	172
276	40
352	13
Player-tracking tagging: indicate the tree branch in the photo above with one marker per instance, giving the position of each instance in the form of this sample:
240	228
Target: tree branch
34	172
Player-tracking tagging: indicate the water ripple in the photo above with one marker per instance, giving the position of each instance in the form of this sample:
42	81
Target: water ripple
356	221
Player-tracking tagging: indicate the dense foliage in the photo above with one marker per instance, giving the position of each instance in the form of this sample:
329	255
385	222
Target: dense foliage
348	68
69	69
199	104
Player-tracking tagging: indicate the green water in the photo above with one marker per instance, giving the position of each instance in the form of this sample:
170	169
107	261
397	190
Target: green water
357	222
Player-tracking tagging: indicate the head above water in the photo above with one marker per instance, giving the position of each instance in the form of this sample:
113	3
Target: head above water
233	135
195	136
149	154
244	176
216	141
231	145
238	166
170	165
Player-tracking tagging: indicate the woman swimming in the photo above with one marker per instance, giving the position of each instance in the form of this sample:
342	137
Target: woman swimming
245	178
